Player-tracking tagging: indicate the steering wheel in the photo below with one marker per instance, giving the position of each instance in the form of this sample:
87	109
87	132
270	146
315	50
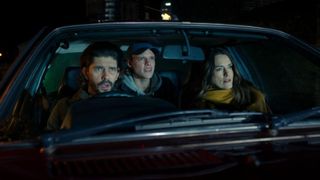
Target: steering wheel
114	94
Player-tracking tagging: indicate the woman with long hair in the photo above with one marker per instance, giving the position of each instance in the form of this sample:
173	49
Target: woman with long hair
224	88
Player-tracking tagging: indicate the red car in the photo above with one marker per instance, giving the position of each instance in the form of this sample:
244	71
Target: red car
118	135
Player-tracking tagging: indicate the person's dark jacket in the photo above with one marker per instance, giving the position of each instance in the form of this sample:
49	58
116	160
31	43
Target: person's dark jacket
60	109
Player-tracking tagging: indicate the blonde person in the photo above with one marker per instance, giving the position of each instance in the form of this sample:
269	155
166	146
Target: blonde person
140	78
223	87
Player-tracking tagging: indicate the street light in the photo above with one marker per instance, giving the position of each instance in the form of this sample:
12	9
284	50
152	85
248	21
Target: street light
167	4
166	16
166	11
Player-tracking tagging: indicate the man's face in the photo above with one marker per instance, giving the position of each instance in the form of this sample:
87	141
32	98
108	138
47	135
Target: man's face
101	74
143	64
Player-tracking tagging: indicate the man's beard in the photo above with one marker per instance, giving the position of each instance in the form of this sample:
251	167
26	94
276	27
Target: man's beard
105	82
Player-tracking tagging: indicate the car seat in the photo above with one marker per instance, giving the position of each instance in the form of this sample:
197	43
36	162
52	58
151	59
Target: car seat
70	82
173	77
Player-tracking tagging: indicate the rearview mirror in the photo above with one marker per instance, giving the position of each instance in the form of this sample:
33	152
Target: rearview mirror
183	52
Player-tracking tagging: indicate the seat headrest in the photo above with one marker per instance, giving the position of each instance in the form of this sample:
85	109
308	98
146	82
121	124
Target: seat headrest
172	76
71	77
70	82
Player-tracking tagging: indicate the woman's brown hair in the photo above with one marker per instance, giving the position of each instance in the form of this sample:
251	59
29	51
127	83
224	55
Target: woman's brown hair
241	88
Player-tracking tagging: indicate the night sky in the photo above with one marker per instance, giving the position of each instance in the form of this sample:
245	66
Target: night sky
20	20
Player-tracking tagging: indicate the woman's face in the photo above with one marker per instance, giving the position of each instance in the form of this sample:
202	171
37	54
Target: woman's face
222	75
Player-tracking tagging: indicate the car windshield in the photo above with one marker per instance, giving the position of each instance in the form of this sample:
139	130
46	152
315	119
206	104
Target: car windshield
285	70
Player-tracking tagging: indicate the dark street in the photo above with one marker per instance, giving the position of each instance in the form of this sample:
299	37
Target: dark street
22	19
159	89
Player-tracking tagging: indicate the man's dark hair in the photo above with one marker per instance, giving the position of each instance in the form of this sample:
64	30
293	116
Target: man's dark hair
101	49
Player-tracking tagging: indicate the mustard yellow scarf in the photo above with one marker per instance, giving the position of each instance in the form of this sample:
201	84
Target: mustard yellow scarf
214	97
218	96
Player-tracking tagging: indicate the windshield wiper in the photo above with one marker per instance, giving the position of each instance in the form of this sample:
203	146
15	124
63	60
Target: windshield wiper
282	121
69	135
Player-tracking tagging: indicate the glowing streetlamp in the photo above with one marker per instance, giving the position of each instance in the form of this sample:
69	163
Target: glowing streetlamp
166	16
166	11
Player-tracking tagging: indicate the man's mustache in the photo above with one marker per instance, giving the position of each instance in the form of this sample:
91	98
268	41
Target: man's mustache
105	81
